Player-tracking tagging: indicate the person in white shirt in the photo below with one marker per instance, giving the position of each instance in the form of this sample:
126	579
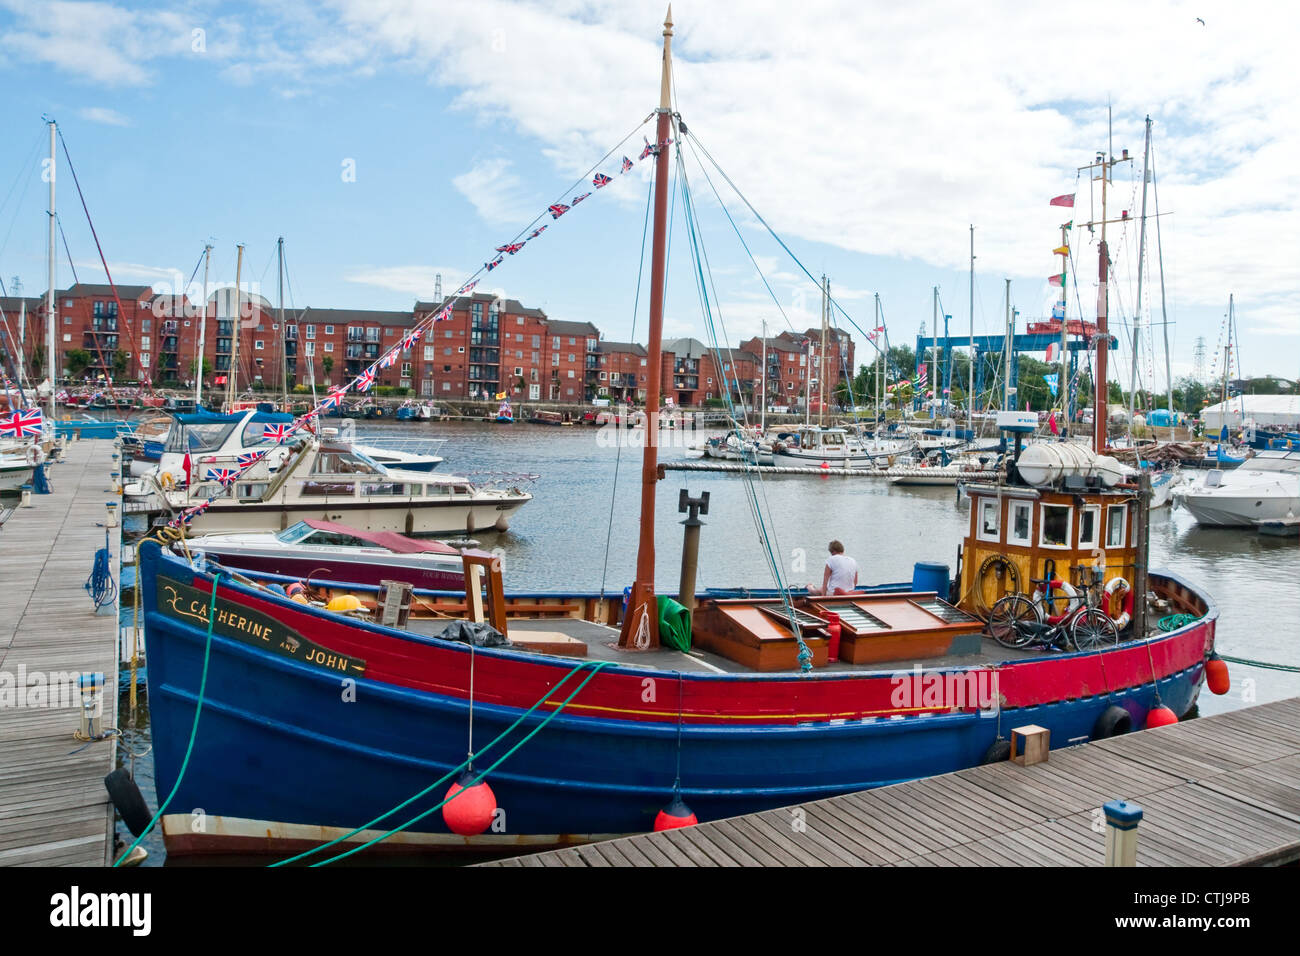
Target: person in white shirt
841	574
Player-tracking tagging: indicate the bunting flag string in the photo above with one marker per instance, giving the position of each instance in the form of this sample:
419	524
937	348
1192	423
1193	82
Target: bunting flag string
365	380
1061	251
1057	280
1066	200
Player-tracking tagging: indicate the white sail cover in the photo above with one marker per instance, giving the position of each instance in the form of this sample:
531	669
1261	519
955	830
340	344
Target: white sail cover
1261	409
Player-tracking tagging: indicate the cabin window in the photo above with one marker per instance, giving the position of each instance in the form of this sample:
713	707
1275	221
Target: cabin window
990	512
1115	526
345	489
341	463
251	489
1056	526
1089	524
383	488
1020	513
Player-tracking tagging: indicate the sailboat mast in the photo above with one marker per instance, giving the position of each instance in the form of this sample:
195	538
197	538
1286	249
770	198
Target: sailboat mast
934	355
1006	356
640	629
1064	385
51	364
762	414
203	327
1227	354
284	332
1142	254
970	390
821	365
880	367
232	376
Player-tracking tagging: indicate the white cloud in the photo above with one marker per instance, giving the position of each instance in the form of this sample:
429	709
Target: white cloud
418	281
497	194
100	114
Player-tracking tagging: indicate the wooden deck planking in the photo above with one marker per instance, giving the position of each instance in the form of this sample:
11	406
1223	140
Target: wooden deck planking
53	807
1216	791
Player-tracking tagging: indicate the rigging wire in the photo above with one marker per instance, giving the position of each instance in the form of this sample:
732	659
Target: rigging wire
618	445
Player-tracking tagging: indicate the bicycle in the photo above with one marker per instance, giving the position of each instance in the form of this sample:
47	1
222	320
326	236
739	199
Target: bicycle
1017	622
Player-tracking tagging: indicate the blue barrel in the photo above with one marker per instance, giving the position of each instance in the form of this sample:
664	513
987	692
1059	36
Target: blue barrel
930	576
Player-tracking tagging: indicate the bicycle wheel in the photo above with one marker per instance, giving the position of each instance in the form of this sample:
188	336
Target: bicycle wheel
1014	621
1093	629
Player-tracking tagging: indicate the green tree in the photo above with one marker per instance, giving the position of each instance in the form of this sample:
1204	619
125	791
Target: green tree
194	368
76	361
327	364
120	362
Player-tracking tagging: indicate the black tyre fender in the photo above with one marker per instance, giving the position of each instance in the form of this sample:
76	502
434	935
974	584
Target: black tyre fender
1113	722
128	800
998	751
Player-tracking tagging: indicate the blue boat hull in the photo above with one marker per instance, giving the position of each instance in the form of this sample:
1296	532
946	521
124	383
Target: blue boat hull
286	743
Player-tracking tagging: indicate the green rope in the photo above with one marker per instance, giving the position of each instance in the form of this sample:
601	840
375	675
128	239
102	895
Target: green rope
1288	668
1174	621
194	728
500	760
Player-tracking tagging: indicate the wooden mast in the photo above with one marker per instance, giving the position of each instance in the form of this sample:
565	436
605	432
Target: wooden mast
640	629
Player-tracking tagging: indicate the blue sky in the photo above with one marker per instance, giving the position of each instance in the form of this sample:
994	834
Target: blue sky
870	136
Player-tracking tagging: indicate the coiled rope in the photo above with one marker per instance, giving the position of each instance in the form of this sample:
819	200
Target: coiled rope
100	585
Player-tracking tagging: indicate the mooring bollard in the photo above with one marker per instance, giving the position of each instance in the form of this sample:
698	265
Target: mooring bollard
26	495
111	522
1122	818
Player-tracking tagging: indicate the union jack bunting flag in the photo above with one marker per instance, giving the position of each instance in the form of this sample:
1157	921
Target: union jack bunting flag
578	199
366	380
627	164
389	359
333	399
922	374
276	432
537	232
24	423
494	263
444	315
510	247
600	179
245	460
223	475
648	148
411	338
558	210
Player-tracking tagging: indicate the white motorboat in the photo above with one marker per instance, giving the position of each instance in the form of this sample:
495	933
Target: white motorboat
15	471
812	445
336	482
1264	488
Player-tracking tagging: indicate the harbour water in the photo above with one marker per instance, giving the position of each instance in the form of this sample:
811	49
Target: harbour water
559	541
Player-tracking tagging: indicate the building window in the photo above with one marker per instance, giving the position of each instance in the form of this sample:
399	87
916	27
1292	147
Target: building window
426	387
259	344
446	386
1115	526
430	352
67	337
309	348
990	512
460	349
329	346
388	333
572	357
1020	512
311	331
144	341
406	370
555	359
519	370
329	330
145	325
1056	526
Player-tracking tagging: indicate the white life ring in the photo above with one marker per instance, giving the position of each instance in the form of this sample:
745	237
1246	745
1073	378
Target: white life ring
1071	594
1125	590
35	455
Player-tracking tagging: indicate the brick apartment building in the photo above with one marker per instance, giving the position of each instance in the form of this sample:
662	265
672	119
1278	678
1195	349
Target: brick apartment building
490	345
793	364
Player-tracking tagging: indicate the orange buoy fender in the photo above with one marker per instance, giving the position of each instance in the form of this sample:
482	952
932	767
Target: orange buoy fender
1216	676
677	814
471	812
1161	716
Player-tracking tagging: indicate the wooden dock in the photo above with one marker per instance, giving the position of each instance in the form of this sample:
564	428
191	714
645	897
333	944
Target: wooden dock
54	810
1215	791
836	471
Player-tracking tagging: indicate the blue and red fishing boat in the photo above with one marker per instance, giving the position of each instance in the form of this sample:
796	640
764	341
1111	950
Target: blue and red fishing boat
299	721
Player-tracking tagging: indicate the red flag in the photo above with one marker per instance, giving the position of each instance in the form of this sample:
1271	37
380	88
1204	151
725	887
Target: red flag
1051	423
1066	200
189	468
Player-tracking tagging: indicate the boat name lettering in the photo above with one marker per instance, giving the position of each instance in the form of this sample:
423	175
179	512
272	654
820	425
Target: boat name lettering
250	627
